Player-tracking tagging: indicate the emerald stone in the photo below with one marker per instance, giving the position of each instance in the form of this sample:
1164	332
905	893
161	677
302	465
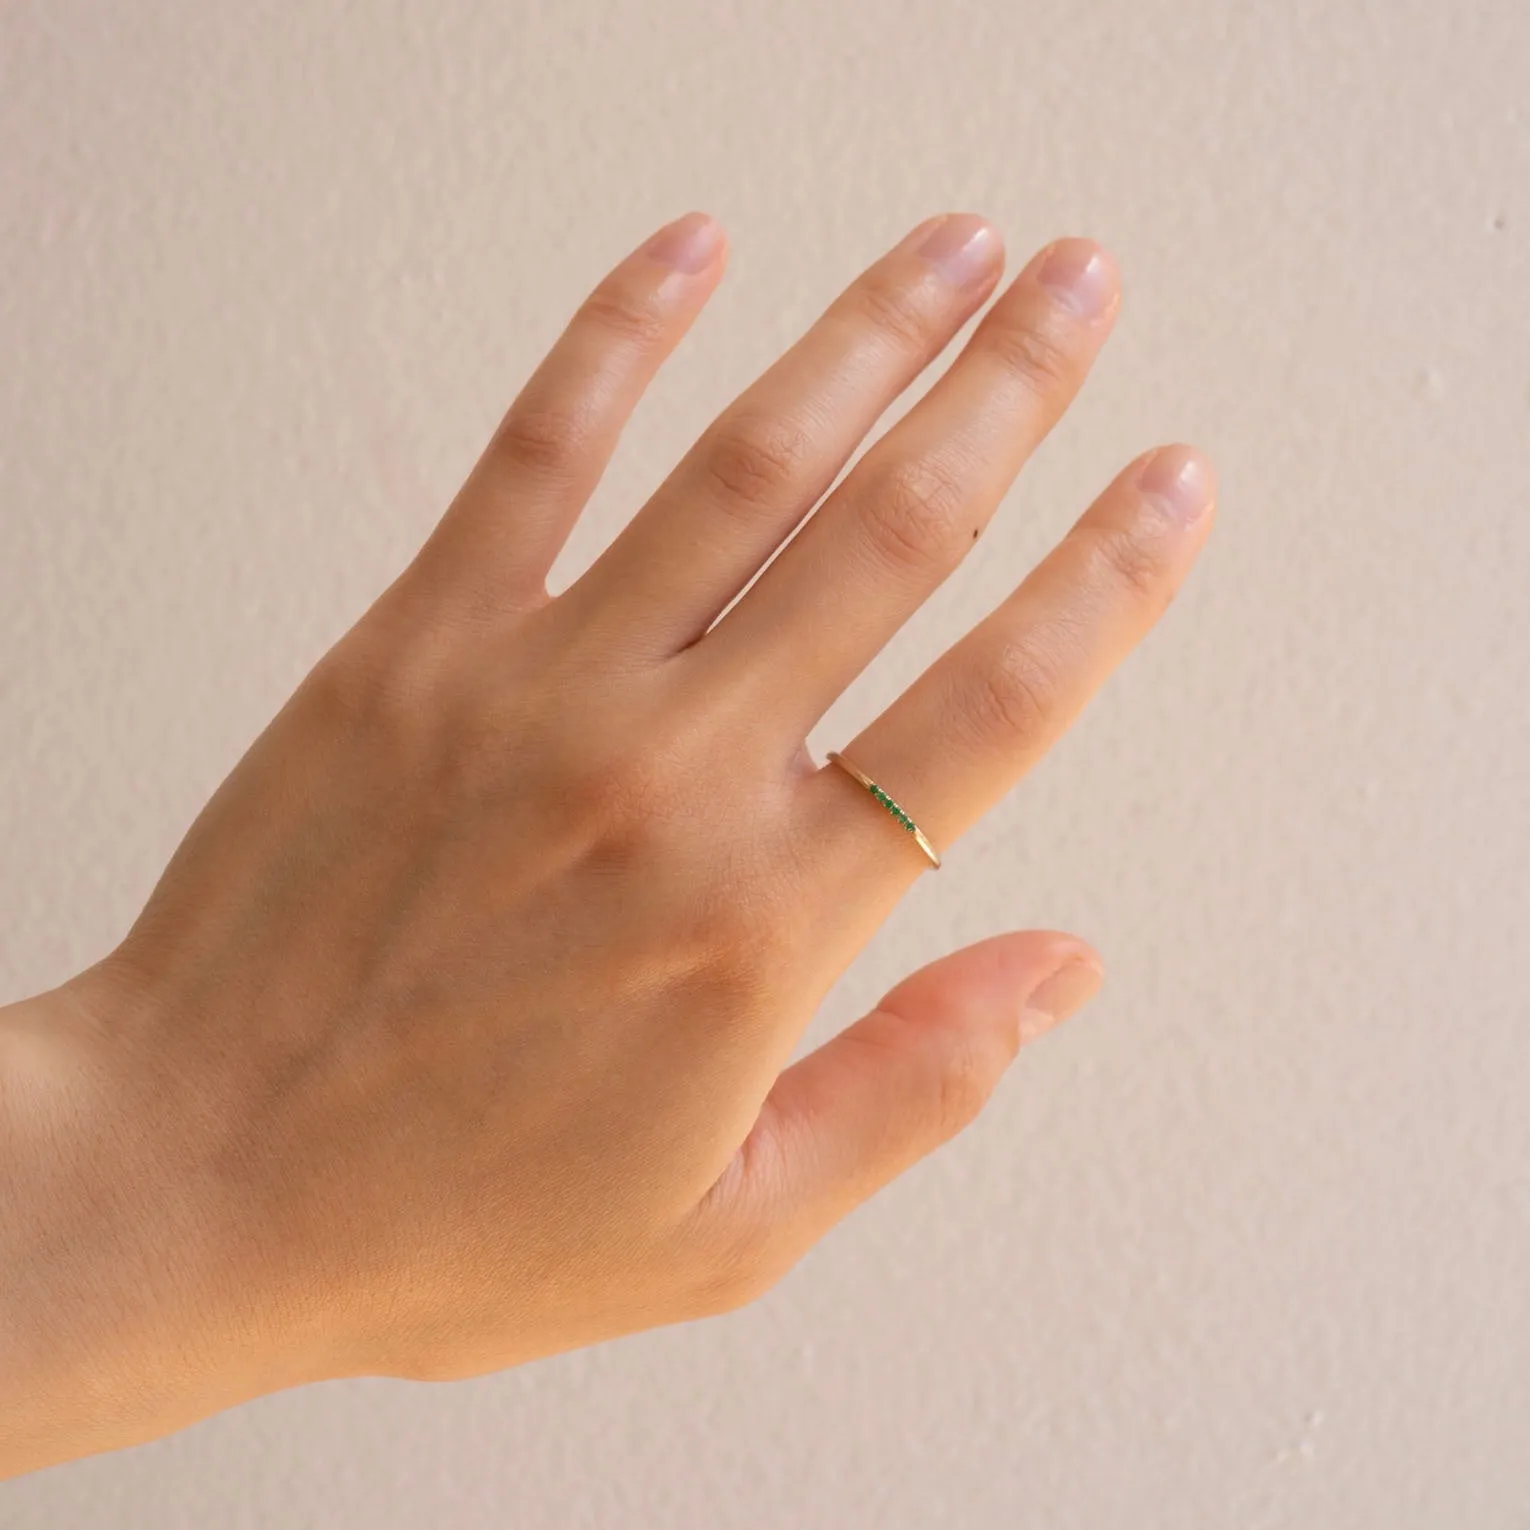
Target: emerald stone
892	807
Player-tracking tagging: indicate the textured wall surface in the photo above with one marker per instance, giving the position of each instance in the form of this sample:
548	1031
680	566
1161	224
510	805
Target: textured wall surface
1247	1244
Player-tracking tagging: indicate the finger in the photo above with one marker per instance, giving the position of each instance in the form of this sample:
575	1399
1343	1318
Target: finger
850	1117
506	525
763	463
972	725
914	504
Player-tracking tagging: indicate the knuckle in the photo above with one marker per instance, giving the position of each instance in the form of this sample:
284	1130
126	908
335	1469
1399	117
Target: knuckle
365	686
1130	561
740	947
951	1071
625	791
1031	352
1013	693
964	1080
627	794
754	461
894	309
625	315
741	940
544	439
912	512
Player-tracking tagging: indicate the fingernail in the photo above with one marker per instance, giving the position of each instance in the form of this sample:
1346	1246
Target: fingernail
1081	274
1181	480
962	246
687	244
1072	985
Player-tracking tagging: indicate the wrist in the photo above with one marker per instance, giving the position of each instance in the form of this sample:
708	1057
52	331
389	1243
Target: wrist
122	1313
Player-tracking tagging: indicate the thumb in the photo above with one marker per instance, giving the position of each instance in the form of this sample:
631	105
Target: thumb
850	1117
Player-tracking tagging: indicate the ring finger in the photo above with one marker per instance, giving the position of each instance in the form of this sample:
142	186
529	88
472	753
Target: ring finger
977	720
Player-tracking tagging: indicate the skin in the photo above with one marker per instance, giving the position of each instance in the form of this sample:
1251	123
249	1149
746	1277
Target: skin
457	1030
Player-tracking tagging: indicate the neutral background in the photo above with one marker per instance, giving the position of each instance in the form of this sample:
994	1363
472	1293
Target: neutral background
1247	1245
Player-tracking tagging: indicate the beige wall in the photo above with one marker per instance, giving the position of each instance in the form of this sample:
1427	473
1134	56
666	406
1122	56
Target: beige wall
1247	1246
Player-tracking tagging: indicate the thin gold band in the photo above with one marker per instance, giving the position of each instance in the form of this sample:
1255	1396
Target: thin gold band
888	802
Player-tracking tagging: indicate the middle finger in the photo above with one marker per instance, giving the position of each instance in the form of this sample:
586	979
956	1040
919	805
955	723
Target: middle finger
764	461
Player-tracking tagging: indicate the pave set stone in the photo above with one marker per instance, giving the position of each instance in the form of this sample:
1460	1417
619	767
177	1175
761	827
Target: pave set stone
892	807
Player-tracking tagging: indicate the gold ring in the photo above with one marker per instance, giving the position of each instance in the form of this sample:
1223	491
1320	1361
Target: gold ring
888	802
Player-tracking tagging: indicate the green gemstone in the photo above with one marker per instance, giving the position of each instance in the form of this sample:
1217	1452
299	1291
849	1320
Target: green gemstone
892	807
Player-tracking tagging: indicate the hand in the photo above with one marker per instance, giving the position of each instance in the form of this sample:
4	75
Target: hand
454	1032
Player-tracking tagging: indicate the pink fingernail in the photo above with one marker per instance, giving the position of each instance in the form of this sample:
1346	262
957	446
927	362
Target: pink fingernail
1080	273
1067	989
962	246
1181	480
688	244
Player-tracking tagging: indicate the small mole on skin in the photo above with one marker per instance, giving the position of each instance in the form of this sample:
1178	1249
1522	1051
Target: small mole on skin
975	531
